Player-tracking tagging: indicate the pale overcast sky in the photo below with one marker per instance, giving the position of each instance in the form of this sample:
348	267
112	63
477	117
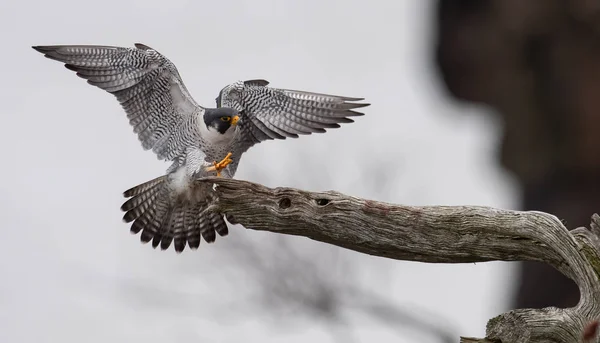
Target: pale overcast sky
70	270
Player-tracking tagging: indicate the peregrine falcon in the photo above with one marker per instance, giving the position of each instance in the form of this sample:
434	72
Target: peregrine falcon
173	208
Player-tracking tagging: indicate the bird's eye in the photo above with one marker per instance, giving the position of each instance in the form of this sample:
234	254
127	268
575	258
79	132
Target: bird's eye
225	118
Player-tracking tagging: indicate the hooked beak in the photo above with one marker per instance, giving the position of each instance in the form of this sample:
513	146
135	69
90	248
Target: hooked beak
234	120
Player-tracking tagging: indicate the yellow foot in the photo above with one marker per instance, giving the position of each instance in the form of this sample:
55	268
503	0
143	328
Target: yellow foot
218	166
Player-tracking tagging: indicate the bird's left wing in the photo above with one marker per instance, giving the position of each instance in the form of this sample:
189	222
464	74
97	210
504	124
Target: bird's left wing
273	113
147	85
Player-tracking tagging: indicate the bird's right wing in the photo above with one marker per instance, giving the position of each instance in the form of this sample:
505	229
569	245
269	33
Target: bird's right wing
147	85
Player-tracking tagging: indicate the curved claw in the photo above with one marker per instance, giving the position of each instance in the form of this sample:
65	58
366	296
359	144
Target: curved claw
218	166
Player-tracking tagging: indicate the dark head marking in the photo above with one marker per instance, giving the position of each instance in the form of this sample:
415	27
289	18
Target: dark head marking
221	119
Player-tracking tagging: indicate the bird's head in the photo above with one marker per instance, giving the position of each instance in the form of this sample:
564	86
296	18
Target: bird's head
221	119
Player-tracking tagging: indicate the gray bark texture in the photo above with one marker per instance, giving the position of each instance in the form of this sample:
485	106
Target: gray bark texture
437	234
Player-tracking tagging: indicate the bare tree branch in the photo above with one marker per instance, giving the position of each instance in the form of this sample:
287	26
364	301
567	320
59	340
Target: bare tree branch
436	234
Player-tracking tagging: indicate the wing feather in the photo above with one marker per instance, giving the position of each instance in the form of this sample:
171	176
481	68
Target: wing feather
146	84
274	113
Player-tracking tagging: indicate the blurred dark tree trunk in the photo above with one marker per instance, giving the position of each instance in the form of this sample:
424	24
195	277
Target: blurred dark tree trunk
537	63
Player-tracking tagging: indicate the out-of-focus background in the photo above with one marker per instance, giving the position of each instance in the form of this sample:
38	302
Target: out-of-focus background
481	102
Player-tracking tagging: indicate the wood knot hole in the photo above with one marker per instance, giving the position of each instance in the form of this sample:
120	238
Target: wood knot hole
285	203
322	202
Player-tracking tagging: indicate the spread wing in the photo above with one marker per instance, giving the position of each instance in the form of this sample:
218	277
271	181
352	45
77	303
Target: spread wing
272	113
146	84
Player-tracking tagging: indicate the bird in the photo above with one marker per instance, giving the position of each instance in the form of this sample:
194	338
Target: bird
199	141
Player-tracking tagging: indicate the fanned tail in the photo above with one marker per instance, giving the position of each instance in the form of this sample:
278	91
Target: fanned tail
164	218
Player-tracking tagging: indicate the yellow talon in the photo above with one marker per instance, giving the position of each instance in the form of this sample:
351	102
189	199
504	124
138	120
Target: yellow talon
218	166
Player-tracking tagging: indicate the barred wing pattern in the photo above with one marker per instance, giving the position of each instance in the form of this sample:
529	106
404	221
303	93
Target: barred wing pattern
148	87
273	113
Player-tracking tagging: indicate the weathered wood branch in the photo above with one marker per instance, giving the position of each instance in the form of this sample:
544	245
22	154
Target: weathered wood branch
436	234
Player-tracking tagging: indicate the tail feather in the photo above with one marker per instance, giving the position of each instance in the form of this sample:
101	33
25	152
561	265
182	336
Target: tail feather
146	235
219	224
161	215
138	205
140	223
178	230
161	224
190	221
165	242
163	228
209	236
205	223
142	188
163	218
156	240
